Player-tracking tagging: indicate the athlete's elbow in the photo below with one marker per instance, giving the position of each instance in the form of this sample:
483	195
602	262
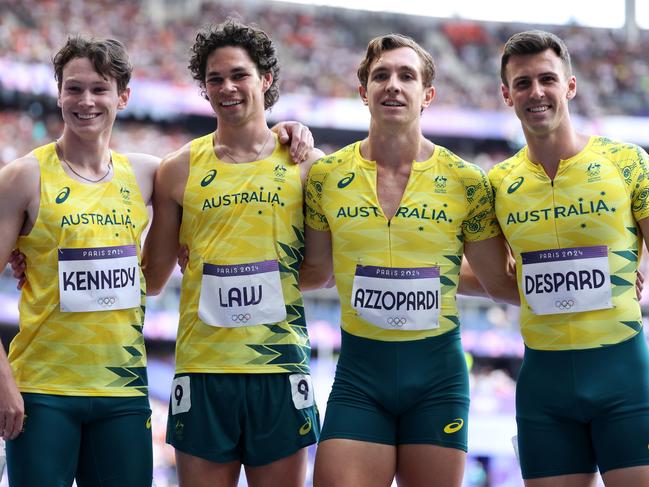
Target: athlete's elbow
313	278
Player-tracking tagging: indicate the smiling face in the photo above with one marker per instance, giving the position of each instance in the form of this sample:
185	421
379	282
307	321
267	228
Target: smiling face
395	90
89	102
234	86
539	88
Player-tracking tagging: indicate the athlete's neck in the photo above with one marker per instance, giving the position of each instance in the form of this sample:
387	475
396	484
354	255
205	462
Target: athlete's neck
90	154
550	149
244	143
393	148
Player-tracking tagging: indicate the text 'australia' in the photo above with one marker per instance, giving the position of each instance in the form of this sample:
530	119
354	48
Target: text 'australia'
580	208
241	198
96	219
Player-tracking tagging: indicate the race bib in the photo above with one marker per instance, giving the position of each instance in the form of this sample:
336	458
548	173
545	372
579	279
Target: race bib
99	279
181	397
397	298
301	390
567	280
241	294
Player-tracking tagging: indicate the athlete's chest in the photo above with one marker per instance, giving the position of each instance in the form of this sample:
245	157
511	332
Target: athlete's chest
256	189
590	198
77	211
423	201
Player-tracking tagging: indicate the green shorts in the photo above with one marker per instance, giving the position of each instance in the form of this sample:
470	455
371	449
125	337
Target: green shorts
252	418
578	410
414	392
97	440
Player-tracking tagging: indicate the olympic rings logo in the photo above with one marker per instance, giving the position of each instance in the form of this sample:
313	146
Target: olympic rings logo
241	318
396	321
564	303
107	301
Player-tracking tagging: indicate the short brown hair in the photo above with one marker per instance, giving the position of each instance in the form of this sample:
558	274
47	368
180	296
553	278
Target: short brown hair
533	42
389	42
233	33
108	56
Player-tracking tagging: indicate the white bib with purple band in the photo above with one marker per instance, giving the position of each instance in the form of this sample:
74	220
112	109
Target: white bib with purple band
567	280
99	279
241	294
397	298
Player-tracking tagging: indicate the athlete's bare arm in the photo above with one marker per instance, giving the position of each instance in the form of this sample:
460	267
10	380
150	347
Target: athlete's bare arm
644	228
317	267
470	285
145	167
19	201
161	244
489	262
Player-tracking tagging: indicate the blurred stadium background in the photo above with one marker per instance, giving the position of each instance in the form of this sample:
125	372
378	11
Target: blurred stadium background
319	49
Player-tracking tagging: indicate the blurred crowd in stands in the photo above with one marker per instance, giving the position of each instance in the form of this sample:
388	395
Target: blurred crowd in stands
320	48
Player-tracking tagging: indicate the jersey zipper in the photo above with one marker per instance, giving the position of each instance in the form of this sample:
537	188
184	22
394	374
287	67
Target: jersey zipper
554	213
390	241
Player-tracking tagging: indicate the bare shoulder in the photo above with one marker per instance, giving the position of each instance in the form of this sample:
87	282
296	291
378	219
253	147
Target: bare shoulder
144	165
313	155
20	183
22	174
172	176
145	160
177	160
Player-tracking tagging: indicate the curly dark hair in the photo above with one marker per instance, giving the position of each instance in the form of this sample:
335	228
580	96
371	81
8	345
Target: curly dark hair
233	33
108	56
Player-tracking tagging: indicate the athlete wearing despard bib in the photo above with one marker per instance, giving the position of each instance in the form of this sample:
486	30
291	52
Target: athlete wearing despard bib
73	402
573	209
242	394
392	216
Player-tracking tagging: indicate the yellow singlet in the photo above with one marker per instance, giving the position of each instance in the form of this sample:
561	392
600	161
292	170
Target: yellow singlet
595	200
91	353
447	201
236	216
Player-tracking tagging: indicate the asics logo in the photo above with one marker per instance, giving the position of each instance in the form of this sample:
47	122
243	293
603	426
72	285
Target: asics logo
515	185
63	195
346	181
305	428
148	423
455	425
209	177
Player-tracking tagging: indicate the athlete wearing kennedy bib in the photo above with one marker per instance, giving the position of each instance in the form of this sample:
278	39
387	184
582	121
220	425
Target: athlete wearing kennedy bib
98	383
73	405
396	224
104	289
575	227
